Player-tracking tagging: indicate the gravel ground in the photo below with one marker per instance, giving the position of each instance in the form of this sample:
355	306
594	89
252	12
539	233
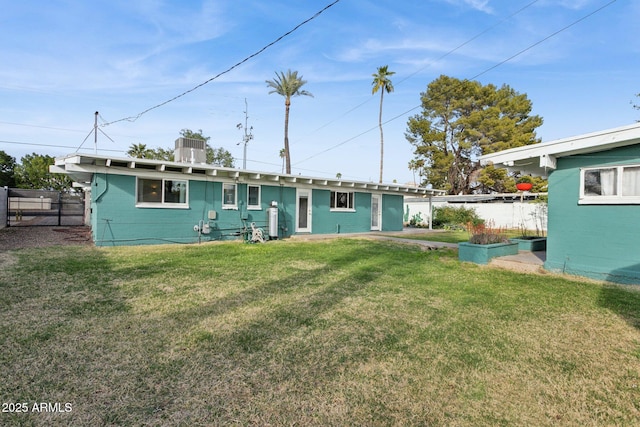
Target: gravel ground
42	236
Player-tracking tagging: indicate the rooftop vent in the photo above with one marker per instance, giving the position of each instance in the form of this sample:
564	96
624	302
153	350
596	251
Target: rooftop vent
190	150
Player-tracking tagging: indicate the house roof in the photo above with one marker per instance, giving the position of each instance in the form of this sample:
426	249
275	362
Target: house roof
81	167
541	158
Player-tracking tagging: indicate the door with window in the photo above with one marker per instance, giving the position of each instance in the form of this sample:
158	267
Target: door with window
303	210
376	212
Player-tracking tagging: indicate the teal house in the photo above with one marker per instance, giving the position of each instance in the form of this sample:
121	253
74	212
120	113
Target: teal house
594	201
143	201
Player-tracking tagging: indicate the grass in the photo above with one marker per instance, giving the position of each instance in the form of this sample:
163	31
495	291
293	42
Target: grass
342	332
450	236
447	236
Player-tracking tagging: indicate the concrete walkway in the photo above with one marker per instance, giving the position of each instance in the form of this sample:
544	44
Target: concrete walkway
524	261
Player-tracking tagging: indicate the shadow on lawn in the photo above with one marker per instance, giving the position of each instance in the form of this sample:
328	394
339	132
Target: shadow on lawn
317	294
624	300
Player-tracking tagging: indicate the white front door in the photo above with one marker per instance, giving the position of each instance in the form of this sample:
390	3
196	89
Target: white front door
303	210
376	212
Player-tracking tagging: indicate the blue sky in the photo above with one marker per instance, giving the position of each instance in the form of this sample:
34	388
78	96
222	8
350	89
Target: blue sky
62	60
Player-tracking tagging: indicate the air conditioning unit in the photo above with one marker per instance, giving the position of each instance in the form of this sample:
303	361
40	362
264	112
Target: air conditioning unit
189	150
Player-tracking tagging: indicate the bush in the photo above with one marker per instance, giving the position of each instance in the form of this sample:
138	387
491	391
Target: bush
487	234
455	217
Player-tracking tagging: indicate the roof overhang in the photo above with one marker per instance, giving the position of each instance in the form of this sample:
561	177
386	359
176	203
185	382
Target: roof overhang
540	159
81	167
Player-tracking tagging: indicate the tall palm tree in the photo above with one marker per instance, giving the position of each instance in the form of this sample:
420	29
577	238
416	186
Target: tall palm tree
282	156
287	85
381	82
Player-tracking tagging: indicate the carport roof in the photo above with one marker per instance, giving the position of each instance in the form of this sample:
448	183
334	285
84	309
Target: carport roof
539	159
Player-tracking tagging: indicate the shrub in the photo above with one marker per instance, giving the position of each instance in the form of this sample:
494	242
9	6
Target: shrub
487	234
455	217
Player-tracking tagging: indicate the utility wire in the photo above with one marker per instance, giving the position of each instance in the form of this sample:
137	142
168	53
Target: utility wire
51	146
136	117
474	77
440	58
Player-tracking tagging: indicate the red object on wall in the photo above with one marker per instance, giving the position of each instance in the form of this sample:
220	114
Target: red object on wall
524	186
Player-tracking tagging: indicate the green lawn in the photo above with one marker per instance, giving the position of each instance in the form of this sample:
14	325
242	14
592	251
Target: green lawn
340	332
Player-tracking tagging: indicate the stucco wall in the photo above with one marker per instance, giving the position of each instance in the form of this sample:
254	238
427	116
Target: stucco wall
530	215
116	220
598	241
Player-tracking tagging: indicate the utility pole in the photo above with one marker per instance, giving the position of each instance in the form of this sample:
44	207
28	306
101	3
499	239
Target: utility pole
248	136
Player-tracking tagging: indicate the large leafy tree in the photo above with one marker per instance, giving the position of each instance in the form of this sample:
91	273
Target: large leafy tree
7	170
382	83
461	120
33	172
287	85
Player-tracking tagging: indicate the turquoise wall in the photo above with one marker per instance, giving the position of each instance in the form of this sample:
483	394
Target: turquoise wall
392	212
324	221
596	241
115	219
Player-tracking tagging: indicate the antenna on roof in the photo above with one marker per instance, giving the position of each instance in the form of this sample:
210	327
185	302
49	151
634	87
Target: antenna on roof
95	133
248	136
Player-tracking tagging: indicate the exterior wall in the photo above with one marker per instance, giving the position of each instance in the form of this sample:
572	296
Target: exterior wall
115	219
325	221
4	197
514	215
597	241
392	212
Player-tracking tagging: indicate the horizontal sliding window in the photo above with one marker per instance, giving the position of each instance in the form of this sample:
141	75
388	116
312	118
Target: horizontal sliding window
610	185
341	200
161	193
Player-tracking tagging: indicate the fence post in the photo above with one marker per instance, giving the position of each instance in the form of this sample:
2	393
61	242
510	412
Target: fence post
59	208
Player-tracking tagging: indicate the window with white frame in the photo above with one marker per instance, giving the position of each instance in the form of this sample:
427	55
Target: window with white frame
610	185
229	196
169	193
253	196
341	200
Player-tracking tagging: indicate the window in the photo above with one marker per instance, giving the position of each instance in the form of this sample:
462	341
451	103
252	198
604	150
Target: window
610	185
229	199
341	200
253	197
161	193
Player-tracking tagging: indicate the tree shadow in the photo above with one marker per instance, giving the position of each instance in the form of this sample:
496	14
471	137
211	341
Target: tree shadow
623	295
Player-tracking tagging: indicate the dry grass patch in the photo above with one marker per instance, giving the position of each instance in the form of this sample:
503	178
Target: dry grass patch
346	332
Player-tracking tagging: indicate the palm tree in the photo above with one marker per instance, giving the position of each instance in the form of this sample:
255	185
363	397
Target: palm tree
139	151
381	81
287	85
282	156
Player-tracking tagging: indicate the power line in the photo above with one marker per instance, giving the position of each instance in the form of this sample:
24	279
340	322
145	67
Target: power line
47	145
474	77
40	127
136	117
440	58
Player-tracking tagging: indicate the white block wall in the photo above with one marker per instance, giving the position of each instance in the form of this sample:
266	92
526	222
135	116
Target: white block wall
509	215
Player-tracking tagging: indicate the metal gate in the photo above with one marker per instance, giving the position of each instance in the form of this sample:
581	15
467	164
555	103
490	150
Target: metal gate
27	208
